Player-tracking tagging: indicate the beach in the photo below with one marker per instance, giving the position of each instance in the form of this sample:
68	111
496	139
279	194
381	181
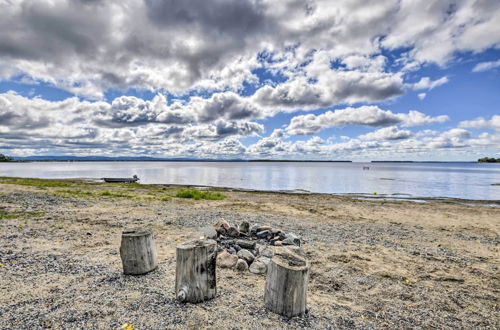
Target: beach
374	263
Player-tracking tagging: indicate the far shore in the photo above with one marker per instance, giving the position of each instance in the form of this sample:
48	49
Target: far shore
376	261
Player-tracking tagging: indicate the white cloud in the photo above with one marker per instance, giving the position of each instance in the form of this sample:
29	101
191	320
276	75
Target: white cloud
416	118
364	116
485	66
387	133
427	83
422	96
480	122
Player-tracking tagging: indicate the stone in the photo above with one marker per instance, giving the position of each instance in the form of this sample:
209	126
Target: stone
262	228
249	245
231	250
275	231
267	252
263	234
282	236
274	240
265	260
258	267
222	224
232	232
246	255
254	228
291	239
278	243
244	227
209	232
241	265
226	260
237	247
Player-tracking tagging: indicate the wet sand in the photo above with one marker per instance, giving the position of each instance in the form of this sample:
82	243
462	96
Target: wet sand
374	263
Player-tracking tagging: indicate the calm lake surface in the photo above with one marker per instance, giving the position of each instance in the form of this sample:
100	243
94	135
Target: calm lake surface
457	180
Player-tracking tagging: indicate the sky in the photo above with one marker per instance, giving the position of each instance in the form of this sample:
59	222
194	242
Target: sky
251	79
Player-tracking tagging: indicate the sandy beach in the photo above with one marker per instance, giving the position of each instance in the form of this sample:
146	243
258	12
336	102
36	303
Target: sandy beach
374	264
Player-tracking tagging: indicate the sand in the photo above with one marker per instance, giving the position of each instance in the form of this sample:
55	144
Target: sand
374	264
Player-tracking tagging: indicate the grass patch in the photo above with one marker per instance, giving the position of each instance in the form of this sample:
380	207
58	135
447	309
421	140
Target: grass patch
20	215
36	182
86	194
199	194
7	216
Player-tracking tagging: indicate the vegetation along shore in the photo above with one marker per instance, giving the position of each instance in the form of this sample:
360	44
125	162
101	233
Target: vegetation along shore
374	263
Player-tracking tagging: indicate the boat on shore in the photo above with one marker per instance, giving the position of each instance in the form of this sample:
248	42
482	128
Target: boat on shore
121	180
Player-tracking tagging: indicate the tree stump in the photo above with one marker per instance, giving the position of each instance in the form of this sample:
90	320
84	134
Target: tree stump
286	284
138	251
195	276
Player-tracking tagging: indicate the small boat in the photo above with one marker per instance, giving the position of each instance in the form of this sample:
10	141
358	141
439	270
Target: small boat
121	180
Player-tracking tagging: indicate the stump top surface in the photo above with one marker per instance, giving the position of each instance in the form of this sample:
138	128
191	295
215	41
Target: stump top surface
196	243
290	260
137	232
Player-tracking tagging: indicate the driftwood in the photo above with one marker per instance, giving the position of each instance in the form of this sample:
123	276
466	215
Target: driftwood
195	274
286	283
138	251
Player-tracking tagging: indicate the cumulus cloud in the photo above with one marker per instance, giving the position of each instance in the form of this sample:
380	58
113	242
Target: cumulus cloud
480	122
87	47
416	118
364	116
485	66
387	133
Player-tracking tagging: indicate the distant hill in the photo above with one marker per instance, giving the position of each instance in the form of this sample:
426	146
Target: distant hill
152	159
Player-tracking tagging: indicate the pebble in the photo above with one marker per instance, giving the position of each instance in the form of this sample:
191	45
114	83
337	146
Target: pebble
263	234
241	265
244	227
246	244
246	255
258	267
267	252
232	232
226	260
254	228
291	239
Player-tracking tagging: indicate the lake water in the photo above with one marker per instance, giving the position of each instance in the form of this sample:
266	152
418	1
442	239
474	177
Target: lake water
457	180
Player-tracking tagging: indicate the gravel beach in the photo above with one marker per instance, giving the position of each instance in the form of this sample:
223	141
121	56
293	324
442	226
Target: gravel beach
374	264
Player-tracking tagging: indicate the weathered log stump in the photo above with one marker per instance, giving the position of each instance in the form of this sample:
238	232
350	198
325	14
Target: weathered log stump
138	251
195	274
286	283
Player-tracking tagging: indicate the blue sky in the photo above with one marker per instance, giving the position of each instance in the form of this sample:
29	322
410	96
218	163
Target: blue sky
402	80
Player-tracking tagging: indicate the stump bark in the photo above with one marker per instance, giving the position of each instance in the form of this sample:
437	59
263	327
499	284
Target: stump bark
286	284
138	251
195	274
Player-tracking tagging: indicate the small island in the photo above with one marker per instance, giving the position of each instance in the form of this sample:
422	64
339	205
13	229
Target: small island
4	158
488	160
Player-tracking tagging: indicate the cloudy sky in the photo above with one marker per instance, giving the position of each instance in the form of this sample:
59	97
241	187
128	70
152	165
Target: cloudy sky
359	80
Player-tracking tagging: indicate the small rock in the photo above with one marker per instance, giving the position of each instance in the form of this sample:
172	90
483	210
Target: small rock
246	255
113	252
209	232
232	250
258	267
263	234
278	243
267	252
250	245
226	260
274	240
253	228
232	232
262	228
244	227
237	247
291	239
241	265
221	226
265	260
282	236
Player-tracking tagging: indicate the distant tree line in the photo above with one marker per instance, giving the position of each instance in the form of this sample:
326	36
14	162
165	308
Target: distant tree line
4	158
489	160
